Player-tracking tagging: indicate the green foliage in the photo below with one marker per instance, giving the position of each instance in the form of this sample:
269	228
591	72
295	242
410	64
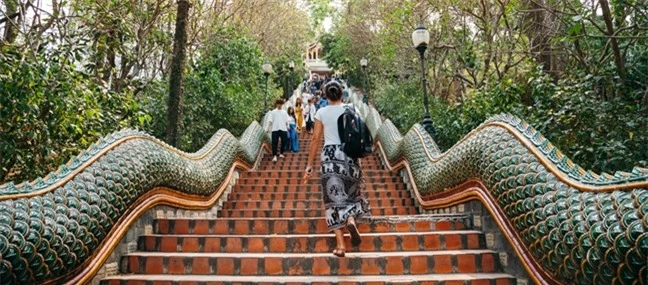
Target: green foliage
99	66
339	57
285	79
551	64
406	97
222	90
337	54
604	135
600	135
319	10
50	112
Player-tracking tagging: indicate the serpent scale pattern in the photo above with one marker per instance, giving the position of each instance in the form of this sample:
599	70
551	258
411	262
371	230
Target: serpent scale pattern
578	236
45	236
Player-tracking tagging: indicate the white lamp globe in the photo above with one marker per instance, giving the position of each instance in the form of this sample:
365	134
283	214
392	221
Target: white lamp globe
420	36
267	67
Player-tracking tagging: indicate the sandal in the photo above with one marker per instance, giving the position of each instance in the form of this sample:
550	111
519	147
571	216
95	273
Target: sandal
353	231
339	252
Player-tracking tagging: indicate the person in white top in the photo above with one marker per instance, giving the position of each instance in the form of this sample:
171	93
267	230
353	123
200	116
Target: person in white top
341	177
306	97
309	115
279	124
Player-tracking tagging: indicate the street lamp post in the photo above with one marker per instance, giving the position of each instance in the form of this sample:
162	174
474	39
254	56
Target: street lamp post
420	39
291	66
363	64
267	69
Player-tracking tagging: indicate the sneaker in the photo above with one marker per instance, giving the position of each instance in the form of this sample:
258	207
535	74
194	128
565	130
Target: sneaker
274	159
281	155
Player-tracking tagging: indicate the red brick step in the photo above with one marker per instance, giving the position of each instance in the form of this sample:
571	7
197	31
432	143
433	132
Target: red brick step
302	166
294	264
310	195
311	243
422	279
312	180
307	204
299	174
386	224
286	213
311	187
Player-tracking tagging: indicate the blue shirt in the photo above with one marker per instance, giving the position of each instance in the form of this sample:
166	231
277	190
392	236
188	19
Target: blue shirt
322	103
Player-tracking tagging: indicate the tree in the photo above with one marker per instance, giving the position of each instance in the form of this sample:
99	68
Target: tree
539	26
174	111
611	33
72	71
558	64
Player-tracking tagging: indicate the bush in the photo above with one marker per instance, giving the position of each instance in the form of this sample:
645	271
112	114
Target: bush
605	136
222	90
50	112
601	135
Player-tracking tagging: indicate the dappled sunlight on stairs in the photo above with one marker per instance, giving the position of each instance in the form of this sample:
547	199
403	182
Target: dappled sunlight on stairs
272	231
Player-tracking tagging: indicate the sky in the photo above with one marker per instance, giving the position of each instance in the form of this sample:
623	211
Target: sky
328	21
327	24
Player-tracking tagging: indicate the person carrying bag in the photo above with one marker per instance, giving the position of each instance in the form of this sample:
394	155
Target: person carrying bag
341	175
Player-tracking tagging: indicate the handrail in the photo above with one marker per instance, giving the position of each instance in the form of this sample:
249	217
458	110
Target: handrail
567	225
63	227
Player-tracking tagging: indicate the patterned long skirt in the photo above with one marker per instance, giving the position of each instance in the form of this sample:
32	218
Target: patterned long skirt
342	184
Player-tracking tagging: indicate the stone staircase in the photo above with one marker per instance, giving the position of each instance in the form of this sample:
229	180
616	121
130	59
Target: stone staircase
272	231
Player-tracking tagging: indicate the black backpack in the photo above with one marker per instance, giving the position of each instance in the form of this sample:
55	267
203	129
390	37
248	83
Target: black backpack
354	134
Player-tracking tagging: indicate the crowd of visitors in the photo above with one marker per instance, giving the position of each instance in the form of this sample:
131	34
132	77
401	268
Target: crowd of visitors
300	119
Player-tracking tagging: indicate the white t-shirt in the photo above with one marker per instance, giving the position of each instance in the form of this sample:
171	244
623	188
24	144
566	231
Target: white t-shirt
279	120
329	117
309	110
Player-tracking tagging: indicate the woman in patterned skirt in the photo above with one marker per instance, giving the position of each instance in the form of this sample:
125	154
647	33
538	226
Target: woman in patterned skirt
341	180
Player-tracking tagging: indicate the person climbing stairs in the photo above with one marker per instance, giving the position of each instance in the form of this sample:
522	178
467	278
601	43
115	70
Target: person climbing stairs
272	231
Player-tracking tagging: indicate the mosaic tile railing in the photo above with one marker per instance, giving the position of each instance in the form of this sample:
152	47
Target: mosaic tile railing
51	228
575	226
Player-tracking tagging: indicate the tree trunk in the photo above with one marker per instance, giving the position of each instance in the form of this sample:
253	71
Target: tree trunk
644	101
618	59
14	17
176	77
537	28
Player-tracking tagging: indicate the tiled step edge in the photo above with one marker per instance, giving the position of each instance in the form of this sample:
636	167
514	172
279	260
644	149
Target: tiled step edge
436	279
311	225
312	243
290	264
426	222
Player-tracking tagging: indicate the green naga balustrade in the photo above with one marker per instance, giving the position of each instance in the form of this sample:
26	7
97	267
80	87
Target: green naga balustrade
52	228
567	225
